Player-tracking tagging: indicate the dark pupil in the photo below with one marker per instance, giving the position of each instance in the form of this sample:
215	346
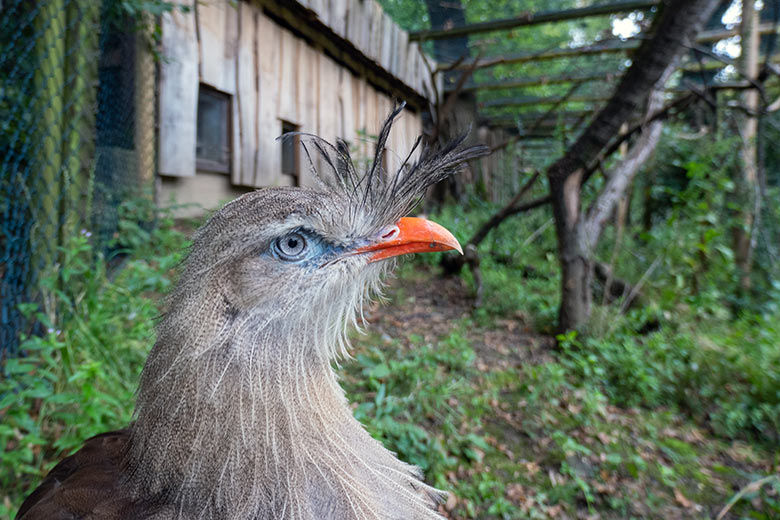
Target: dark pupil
292	243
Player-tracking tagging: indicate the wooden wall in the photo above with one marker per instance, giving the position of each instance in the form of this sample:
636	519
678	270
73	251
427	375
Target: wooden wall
272	76
365	24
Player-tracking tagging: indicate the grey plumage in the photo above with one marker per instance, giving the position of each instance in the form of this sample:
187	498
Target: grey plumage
239	412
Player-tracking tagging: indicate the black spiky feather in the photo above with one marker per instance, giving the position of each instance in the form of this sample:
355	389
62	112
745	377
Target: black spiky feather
384	197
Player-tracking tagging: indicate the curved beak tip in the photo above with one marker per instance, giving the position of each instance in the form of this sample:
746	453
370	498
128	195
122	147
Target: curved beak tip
412	235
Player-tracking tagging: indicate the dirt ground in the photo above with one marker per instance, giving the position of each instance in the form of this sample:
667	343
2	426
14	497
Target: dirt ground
707	471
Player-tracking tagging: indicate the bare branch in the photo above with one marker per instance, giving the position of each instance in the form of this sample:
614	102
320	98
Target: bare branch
623	173
678	103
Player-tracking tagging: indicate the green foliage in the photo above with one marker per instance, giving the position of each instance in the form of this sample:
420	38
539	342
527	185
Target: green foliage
397	385
726	377
78	378
517	264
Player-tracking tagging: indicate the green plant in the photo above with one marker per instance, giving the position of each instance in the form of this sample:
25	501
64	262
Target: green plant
396	387
78	378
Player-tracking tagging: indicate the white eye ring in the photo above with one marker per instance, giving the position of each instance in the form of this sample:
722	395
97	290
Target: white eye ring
291	247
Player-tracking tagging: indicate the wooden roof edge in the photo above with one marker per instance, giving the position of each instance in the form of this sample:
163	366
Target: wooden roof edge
362	37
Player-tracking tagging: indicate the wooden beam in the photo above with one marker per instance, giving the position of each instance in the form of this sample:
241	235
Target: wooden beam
721	34
535	81
566	116
529	19
608	46
527	101
538	80
533	101
544	124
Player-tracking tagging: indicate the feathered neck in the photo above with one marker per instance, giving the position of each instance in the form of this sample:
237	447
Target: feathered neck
240	415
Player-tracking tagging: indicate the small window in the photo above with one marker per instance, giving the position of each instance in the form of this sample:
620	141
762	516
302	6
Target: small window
213	146
290	151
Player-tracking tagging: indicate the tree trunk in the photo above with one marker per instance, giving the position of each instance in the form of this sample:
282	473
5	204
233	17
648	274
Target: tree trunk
746	180
675	26
575	258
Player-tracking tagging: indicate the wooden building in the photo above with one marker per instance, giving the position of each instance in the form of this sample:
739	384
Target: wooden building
234	76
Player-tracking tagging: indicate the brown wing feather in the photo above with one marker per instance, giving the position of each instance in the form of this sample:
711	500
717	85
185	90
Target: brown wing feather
88	484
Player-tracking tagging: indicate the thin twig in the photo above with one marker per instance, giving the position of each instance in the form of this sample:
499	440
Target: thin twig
538	232
750	488
638	286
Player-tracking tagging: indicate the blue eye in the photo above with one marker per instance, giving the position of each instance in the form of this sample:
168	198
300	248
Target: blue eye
291	247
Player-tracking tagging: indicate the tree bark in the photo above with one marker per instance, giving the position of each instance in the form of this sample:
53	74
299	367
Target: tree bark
676	26
746	180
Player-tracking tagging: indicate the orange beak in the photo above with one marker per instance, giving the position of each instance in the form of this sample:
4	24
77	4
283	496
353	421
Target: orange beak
411	235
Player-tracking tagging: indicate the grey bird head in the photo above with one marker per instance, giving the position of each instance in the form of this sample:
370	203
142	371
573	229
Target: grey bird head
239	412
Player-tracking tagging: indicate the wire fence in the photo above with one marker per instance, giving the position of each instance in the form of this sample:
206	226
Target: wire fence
76	137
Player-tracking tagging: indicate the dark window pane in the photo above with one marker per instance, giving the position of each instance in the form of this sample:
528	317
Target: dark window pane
213	146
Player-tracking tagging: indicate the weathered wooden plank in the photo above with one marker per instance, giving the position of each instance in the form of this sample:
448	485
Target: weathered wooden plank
347	117
371	112
215	69
231	45
308	102
384	106
401	54
413	126
230	85
324	12
413	77
328	98
377	33
328	111
359	108
178	94
269	161
366	36
338	16
396	134
308	93
387	43
354	22
288	77
246	100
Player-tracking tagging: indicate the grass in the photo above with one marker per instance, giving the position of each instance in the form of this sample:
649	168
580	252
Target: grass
536	438
630	421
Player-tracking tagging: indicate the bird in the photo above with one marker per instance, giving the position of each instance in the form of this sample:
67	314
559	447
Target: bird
239	413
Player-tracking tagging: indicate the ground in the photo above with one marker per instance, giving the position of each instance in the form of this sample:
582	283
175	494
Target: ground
521	438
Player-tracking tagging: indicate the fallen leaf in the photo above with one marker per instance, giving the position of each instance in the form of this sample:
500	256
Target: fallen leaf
452	502
682	500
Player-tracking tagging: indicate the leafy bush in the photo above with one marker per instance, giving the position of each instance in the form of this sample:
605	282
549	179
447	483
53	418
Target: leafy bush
728	375
79	378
